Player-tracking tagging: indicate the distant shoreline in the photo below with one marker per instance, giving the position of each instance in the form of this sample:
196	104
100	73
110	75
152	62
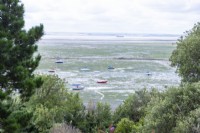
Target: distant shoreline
121	37
113	58
126	40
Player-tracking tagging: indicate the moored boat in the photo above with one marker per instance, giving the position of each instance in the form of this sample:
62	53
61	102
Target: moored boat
110	67
102	81
59	61
77	87
52	71
148	73
85	69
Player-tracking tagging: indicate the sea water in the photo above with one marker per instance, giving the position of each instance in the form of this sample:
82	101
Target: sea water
139	61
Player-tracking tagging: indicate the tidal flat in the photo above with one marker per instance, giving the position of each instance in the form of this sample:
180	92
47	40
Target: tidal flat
141	62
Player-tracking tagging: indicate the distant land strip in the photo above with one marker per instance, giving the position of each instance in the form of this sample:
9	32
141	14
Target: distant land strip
111	39
107	58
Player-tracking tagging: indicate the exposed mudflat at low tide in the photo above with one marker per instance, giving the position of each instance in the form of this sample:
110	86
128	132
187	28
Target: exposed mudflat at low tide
137	65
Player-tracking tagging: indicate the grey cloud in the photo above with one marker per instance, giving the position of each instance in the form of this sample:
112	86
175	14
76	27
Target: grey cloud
175	6
113	15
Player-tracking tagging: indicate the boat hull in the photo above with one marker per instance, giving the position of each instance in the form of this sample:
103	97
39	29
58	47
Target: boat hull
102	82
77	87
59	62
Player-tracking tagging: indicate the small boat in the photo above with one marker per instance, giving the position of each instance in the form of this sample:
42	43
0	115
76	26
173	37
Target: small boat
59	61
77	87
110	67
85	69
148	73
52	70
102	81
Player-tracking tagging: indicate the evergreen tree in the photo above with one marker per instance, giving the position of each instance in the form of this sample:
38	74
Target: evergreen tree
17	47
17	60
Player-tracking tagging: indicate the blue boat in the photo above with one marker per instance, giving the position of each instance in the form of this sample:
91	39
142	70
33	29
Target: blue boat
110	67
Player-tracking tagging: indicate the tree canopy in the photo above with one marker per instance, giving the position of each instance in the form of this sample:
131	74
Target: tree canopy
17	62
17	47
177	108
186	56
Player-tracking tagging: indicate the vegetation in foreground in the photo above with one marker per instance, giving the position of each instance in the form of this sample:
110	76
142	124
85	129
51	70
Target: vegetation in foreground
52	107
33	104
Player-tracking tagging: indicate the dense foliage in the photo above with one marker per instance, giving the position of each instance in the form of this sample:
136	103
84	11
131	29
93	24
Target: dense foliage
175	110
186	56
170	113
93	118
134	106
125	126
189	123
51	103
17	62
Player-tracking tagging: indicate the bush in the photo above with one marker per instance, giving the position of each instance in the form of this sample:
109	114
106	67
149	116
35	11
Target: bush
52	103
163	115
96	117
125	126
134	106
189	124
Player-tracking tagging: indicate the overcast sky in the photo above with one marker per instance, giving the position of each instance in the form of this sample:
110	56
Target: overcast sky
122	16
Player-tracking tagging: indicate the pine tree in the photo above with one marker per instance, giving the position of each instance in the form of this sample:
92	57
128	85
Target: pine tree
17	47
18	60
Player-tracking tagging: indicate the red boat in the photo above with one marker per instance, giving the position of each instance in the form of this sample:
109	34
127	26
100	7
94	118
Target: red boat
102	81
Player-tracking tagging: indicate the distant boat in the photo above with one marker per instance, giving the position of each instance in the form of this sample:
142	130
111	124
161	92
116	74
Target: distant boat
102	81
52	71
85	69
148	73
110	67
59	61
77	87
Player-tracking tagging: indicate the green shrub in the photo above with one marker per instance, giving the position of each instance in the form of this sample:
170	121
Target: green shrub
189	124
163	115
96	117
125	126
134	106
52	103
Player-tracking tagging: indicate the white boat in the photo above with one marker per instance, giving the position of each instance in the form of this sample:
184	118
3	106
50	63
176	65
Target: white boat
85	69
77	87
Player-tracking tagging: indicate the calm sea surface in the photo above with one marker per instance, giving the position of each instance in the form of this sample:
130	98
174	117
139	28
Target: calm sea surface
139	61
